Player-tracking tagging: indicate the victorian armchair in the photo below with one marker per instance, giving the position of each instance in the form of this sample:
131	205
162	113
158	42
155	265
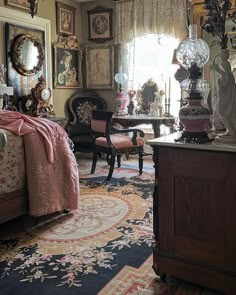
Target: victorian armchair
110	141
79	110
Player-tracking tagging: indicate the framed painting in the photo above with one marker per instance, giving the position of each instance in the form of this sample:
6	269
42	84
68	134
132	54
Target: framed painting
19	4
67	67
100	24
100	66
65	19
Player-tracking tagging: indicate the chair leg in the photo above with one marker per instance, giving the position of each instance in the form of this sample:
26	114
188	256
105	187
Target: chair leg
118	160
108	159
112	165
95	156
140	161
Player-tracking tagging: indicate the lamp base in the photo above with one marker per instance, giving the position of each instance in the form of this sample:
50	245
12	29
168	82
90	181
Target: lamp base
194	137
121	104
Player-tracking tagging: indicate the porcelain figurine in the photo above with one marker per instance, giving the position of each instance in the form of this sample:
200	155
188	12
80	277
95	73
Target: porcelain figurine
226	96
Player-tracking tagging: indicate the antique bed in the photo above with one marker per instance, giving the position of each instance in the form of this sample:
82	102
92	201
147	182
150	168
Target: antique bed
38	173
13	191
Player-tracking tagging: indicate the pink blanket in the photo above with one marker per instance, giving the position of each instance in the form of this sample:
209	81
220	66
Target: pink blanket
52	173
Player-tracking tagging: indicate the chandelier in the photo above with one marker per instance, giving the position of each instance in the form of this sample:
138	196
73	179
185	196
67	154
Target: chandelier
33	6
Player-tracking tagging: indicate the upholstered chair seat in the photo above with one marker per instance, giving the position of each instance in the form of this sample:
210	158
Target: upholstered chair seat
119	142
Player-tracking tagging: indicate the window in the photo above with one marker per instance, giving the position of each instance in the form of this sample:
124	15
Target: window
150	56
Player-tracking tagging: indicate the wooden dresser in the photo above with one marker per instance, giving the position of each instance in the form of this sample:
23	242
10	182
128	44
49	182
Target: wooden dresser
195	212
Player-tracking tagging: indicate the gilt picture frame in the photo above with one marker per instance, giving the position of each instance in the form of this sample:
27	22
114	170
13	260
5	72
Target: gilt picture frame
67	66
65	24
19	4
100	24
99	66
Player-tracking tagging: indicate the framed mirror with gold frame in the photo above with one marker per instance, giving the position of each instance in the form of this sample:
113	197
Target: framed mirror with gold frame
21	43
27	54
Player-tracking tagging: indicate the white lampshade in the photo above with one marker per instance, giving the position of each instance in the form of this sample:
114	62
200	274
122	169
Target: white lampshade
121	78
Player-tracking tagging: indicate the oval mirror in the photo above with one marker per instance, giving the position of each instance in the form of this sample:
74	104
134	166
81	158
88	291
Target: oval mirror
27	55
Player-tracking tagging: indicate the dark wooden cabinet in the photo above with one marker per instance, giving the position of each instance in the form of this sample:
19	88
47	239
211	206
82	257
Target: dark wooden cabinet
195	215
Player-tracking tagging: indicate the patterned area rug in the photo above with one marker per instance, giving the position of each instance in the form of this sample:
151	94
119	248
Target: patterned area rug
103	248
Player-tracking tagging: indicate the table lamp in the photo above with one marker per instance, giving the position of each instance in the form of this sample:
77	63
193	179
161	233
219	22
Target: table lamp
193	53
121	99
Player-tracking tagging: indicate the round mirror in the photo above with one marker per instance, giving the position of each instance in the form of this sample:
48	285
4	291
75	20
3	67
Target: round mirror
27	55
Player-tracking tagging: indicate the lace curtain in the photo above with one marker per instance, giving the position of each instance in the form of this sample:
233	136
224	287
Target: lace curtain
138	17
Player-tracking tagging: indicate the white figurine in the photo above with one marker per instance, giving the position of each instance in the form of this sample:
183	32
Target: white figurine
226	96
2	72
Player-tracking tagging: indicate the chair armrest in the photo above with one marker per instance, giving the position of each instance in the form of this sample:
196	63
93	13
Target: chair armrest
135	132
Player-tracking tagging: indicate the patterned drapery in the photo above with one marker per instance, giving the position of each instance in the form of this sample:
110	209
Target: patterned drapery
138	17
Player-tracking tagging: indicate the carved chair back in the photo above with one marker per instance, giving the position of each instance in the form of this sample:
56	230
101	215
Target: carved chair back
79	109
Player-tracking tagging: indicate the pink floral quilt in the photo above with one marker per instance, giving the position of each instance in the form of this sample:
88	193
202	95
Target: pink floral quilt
12	164
51	168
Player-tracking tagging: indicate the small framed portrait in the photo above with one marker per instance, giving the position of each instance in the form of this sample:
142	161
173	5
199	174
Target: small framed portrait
100	24
19	4
65	19
67	67
100	66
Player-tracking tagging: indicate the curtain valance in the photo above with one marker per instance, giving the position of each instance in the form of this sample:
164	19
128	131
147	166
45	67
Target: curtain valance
138	17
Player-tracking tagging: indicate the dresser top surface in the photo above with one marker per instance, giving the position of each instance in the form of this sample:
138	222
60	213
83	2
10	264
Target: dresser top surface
169	141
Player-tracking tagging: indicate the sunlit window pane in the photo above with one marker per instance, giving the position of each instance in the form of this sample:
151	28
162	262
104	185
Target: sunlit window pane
151	57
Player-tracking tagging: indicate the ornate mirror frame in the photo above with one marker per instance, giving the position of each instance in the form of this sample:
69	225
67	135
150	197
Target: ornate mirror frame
16	55
23	19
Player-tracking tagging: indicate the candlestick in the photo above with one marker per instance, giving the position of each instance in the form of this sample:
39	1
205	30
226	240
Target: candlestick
169	86
165	99
168	102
